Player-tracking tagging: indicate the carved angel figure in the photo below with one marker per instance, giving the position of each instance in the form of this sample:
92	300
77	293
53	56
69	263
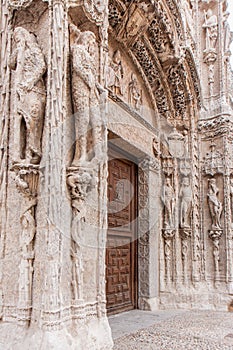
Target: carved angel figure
215	205
211	27
168	198
27	60
86	93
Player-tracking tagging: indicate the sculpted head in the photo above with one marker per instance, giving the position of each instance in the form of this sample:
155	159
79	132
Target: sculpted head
21	34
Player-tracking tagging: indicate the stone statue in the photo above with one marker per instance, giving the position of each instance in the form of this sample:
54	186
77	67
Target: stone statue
115	74
168	198
86	94
211	27
228	35
186	203
135	95
27	60
215	205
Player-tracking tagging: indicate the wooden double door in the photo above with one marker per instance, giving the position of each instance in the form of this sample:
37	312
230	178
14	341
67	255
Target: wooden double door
121	251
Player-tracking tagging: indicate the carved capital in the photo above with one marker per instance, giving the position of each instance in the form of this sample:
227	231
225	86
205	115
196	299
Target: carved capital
80	181
26	179
150	164
185	233
215	235
168	234
210	56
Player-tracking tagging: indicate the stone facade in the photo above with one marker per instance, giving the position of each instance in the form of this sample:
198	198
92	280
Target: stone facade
154	76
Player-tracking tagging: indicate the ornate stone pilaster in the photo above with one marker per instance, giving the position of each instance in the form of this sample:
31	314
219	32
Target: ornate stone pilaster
148	226
185	234
215	236
168	235
80	182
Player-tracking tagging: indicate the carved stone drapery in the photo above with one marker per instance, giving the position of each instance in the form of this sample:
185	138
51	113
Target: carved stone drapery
86	95
28	63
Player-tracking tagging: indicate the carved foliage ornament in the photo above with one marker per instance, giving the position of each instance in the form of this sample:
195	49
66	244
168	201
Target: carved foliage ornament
16	4
95	9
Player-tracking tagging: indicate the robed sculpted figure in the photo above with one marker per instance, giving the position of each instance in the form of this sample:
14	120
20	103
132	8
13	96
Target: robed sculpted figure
185	202
168	199
86	94
211	28
27	60
215	205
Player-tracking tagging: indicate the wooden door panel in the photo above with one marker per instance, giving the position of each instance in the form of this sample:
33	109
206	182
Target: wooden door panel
121	239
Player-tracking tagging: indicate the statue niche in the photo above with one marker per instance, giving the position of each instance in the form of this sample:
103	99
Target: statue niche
86	93
27	60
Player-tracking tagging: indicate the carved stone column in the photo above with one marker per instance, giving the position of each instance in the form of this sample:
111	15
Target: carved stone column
168	236
149	228
215	236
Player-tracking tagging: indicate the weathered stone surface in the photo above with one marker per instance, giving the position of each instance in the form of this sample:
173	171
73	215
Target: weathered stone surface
153	78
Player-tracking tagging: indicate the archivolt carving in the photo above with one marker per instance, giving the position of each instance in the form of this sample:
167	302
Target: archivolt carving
178	90
153	76
95	9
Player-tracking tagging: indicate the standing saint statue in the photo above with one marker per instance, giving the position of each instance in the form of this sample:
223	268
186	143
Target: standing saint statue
186	203
211	27
86	94
168	198
115	74
135	95
215	205
27	60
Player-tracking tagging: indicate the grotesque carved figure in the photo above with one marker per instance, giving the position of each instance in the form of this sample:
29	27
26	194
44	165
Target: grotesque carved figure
28	62
135	95
168	198
215	205
115	74
186	202
86	93
211	27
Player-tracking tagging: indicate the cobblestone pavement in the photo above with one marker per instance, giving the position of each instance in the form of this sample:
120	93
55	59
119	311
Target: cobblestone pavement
189	330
